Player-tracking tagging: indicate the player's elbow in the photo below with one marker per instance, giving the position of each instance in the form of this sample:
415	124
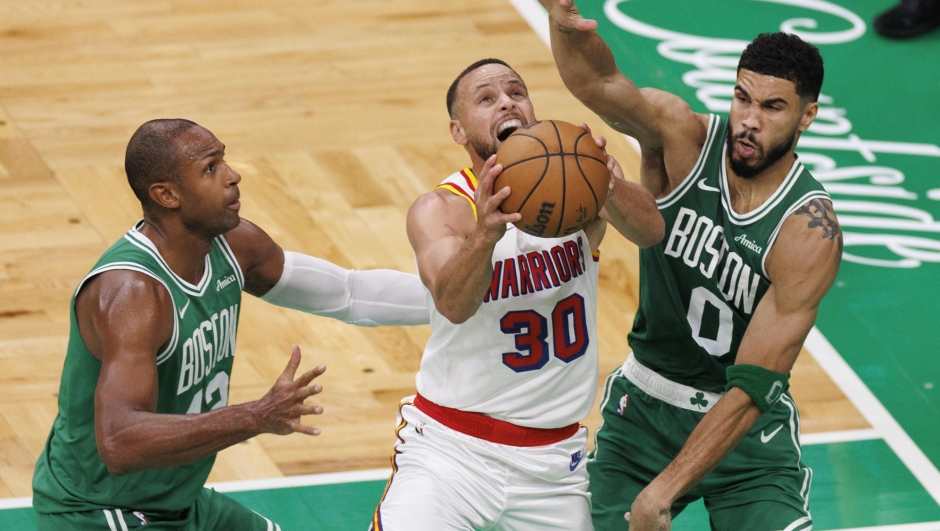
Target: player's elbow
114	456
455	315
653	235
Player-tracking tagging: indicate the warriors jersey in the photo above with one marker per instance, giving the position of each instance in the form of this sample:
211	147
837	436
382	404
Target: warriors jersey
193	377
529	354
700	285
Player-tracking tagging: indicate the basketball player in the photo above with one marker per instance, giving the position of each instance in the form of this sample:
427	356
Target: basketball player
143	404
492	439
700	408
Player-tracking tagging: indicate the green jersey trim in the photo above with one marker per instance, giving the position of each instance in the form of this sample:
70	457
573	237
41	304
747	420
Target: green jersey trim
232	261
675	195
769	204
148	247
815	194
133	266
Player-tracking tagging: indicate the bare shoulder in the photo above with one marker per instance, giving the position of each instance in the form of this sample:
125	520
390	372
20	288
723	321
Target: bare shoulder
808	250
247	237
441	209
121	306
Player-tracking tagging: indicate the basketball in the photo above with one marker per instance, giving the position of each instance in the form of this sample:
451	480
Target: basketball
558	177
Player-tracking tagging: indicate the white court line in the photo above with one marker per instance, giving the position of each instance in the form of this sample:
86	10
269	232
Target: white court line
15	503
922	526
829	437
378	474
302	481
874	412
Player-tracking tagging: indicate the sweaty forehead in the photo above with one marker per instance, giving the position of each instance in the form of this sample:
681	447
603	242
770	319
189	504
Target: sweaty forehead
493	74
196	143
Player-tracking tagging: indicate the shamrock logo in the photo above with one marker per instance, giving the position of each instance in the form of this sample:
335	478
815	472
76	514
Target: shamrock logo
699	400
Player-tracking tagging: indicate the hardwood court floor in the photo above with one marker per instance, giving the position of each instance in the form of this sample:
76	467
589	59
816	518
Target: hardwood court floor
333	112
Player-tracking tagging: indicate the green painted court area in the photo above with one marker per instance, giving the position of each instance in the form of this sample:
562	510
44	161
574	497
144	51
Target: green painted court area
855	484
875	147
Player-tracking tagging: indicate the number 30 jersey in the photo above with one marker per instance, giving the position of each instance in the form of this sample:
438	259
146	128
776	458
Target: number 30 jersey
529	354
700	285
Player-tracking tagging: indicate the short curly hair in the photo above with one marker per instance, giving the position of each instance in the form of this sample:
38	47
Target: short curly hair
786	56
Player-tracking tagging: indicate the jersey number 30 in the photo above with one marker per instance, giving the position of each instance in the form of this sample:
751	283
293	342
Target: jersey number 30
569	335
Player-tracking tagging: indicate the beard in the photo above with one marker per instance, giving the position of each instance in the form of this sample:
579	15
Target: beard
484	147
746	170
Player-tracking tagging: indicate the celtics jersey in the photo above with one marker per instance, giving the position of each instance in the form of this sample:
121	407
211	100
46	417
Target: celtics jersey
193	377
699	287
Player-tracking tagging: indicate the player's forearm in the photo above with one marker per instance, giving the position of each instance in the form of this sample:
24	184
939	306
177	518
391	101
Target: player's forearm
719	432
151	440
632	210
463	281
584	61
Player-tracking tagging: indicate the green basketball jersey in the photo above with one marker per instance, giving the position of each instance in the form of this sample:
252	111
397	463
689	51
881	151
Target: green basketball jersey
700	286
193	373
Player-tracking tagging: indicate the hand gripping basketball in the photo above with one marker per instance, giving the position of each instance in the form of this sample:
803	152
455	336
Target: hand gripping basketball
558	175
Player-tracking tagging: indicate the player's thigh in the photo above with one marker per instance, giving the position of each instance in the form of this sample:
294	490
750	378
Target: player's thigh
535	504
440	482
639	437
214	511
763	481
762	515
103	520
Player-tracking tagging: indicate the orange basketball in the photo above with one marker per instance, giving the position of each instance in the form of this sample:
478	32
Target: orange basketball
558	177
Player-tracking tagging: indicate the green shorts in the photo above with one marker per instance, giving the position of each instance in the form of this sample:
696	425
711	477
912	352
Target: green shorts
212	511
762	485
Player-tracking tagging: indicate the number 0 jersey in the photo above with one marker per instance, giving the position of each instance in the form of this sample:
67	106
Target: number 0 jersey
193	377
529	354
700	285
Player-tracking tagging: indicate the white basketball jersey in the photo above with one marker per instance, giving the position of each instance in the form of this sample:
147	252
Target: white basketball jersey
529	355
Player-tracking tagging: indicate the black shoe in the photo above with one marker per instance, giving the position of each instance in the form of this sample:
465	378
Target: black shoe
909	18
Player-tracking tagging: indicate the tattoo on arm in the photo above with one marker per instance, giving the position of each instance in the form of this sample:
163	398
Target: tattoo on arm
821	215
667	519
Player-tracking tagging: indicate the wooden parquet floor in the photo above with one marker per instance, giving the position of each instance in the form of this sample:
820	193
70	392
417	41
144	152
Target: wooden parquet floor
333	111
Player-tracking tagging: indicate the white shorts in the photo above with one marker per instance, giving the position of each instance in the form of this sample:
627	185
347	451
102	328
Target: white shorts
444	480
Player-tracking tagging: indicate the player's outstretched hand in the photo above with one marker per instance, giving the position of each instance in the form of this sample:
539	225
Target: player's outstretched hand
565	16
281	409
491	222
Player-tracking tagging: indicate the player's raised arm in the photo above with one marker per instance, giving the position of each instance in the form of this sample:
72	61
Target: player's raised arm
802	265
453	251
587	68
293	280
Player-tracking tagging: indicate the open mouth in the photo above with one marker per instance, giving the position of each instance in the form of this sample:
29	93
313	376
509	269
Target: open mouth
507	128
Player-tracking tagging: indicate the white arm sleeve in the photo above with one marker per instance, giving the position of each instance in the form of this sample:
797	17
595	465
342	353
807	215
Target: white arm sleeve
365	298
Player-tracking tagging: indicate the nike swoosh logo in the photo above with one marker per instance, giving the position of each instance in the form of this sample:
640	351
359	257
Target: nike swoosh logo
703	186
184	308
764	438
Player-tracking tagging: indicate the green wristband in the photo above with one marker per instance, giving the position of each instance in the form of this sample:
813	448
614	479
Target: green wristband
764	386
